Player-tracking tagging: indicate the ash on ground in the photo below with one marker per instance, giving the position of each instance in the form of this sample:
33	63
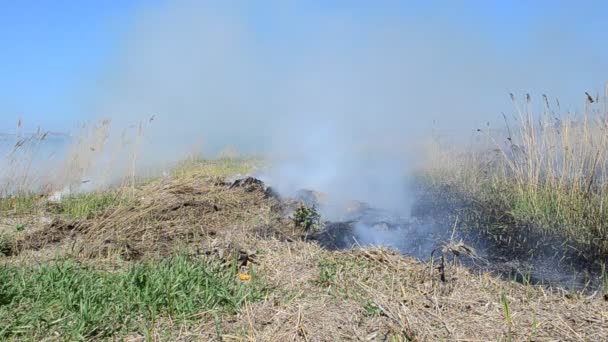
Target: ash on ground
419	236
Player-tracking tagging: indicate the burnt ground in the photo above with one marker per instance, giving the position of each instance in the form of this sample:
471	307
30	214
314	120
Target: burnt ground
499	245
419	238
318	287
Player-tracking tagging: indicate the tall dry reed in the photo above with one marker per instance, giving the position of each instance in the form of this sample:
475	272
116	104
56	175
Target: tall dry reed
90	159
547	168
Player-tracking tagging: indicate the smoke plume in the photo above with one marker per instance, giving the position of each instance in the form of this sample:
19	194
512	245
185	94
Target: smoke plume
334	98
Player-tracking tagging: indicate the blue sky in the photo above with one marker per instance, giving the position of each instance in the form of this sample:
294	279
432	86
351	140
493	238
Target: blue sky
50	50
55	55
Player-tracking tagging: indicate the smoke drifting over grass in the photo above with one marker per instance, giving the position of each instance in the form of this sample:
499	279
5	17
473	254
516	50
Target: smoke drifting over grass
333	97
336	97
329	100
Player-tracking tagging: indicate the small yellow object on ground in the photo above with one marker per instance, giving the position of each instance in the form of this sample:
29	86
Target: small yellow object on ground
244	276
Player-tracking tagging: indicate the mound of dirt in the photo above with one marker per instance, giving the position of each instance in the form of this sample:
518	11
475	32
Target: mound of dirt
167	215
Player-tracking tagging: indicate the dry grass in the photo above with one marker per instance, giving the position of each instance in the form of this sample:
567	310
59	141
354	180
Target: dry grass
544	169
43	162
222	167
94	157
18	174
374	294
182	211
160	216
312	294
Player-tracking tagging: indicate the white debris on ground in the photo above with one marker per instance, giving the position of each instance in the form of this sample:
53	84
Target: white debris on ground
57	196
85	185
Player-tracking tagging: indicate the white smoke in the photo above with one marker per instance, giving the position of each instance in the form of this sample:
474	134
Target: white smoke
334	98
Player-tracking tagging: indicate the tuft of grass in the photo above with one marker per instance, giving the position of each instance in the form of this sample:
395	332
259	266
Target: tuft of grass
307	218
7	244
506	309
504	301
81	302
339	274
371	309
328	271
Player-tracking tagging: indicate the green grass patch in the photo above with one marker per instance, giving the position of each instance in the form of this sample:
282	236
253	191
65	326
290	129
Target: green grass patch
20	205
76	301
90	204
223	167
77	206
371	309
340	274
328	271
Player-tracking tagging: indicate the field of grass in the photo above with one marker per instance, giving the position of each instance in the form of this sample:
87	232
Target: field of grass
188	256
545	171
